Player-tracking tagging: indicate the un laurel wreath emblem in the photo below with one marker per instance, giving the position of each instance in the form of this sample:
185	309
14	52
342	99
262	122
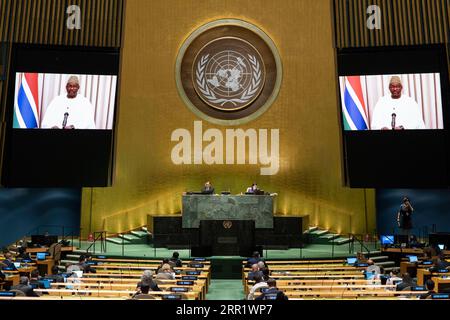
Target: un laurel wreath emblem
228	72
228	79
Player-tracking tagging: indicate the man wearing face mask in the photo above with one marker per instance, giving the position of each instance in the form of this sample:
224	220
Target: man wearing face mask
69	111
396	111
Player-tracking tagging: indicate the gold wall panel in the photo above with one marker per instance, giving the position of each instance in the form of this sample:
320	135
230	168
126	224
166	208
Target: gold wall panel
306	113
404	22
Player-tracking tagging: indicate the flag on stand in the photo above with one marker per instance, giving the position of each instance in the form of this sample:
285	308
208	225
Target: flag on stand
353	108
26	106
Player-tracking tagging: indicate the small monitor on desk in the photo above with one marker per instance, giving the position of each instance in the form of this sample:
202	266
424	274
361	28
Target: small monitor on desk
17	265
387	240
351	261
40	256
441	246
413	258
427	262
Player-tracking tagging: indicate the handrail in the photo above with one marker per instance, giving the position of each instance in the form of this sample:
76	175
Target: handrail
353	238
98	235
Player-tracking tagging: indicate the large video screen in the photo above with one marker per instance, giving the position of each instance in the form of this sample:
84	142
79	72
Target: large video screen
60	115
391	102
64	101
393	112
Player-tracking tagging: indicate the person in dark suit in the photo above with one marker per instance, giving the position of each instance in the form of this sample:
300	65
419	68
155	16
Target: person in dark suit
407	281
256	257
142	293
208	188
404	216
176	260
8	262
273	290
25	287
430	287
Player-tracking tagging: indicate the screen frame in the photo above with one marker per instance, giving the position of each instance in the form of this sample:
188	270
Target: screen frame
356	145
99	169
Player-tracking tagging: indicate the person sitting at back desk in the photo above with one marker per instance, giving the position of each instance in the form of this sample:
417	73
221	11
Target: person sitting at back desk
208	188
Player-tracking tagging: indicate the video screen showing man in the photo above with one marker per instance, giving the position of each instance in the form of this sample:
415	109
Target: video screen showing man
70	110
391	102
64	101
396	111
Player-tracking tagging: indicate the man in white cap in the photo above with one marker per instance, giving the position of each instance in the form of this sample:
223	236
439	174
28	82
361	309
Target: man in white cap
69	111
396	111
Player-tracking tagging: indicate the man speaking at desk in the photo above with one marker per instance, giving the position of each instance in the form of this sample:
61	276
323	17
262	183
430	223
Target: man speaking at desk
208	188
70	111
396	111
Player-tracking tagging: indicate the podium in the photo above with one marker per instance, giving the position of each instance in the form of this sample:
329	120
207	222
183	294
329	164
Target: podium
228	237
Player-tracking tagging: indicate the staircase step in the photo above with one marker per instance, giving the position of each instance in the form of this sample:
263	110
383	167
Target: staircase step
386	264
379	258
318	232
117	240
73	256
341	241
329	236
311	229
139	234
128	237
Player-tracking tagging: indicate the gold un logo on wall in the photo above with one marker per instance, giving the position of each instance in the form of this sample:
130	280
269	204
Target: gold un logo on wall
228	72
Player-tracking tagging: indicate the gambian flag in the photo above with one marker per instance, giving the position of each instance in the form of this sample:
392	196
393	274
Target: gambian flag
26	106
353	107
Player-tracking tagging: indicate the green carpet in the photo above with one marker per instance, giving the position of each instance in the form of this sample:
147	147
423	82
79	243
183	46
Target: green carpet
225	290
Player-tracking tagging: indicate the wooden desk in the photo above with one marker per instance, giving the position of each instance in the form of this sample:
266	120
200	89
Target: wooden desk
46	266
441	283
423	275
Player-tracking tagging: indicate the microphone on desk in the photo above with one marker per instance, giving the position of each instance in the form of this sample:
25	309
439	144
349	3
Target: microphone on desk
393	121
65	120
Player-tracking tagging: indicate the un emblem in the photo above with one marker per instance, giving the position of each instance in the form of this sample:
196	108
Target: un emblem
228	72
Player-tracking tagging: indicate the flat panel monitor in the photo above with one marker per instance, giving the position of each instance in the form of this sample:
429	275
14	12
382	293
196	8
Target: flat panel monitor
441	246
413	259
387	240
40	256
390	96
351	261
7	293
61	100
17	265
